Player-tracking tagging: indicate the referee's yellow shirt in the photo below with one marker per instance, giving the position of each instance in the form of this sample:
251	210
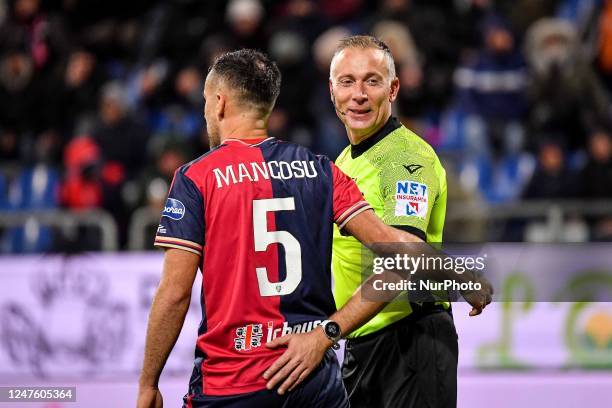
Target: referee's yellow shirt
401	177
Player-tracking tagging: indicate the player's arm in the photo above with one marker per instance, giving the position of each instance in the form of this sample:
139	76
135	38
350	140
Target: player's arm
403	229
166	319
376	235
305	351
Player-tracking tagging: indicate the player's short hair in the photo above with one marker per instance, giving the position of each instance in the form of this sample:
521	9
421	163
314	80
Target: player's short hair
364	42
252	74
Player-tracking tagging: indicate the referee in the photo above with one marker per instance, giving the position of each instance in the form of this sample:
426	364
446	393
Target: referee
406	356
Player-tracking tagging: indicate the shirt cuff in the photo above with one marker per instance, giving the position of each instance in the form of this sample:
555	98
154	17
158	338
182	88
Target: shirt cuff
346	216
170	242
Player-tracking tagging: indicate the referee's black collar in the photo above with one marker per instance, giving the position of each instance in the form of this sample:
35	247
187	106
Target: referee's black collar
360	148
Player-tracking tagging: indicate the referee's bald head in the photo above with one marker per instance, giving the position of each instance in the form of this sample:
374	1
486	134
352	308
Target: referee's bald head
364	42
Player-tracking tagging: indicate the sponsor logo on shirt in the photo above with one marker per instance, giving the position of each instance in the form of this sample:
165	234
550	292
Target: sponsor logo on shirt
412	168
174	209
161	229
411	199
250	336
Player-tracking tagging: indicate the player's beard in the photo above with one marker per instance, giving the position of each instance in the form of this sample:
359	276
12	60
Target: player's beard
214	139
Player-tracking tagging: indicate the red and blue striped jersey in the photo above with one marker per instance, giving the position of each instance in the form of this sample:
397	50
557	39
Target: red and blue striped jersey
260	213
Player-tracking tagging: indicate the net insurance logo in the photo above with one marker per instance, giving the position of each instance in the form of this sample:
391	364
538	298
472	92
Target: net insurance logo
174	209
411	199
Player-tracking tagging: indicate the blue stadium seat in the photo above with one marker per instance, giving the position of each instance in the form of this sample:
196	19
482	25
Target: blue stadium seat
31	238
502	180
4	203
452	127
577	11
33	189
158	122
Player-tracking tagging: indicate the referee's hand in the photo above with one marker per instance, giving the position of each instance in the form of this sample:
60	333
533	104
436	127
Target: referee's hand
479	299
304	353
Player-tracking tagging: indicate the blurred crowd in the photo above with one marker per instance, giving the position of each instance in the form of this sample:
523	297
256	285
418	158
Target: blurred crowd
100	101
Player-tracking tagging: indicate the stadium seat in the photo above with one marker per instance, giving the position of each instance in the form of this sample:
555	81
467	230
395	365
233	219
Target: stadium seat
4	204
499	180
452	129
33	189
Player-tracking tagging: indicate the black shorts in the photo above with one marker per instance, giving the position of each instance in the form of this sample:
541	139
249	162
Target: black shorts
323	388
410	363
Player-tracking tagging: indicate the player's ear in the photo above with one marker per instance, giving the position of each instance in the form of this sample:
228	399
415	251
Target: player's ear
221	105
331	91
395	85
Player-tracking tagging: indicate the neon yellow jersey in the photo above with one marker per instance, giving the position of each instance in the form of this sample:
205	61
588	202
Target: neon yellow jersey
402	178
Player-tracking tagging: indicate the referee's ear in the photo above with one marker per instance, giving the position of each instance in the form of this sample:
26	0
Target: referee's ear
395	85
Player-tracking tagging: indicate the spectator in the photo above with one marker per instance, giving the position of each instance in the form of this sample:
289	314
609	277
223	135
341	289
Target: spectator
74	95
55	58
122	141
179	120
176	29
157	178
245	18
289	120
148	86
523	13
44	37
566	96
82	187
121	137
551	179
596	177
491	86
9	148
302	16
330	133
412	98
433	26
20	92
580	13
596	181
604	44
341	11
188	85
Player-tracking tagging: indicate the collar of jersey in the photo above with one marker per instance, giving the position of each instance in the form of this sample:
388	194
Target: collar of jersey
256	141
360	148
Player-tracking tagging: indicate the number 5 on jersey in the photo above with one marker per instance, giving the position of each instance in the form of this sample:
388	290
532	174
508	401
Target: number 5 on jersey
263	238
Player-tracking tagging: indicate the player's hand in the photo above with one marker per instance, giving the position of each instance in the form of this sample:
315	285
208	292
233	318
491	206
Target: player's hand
149	397
479	299
304	353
